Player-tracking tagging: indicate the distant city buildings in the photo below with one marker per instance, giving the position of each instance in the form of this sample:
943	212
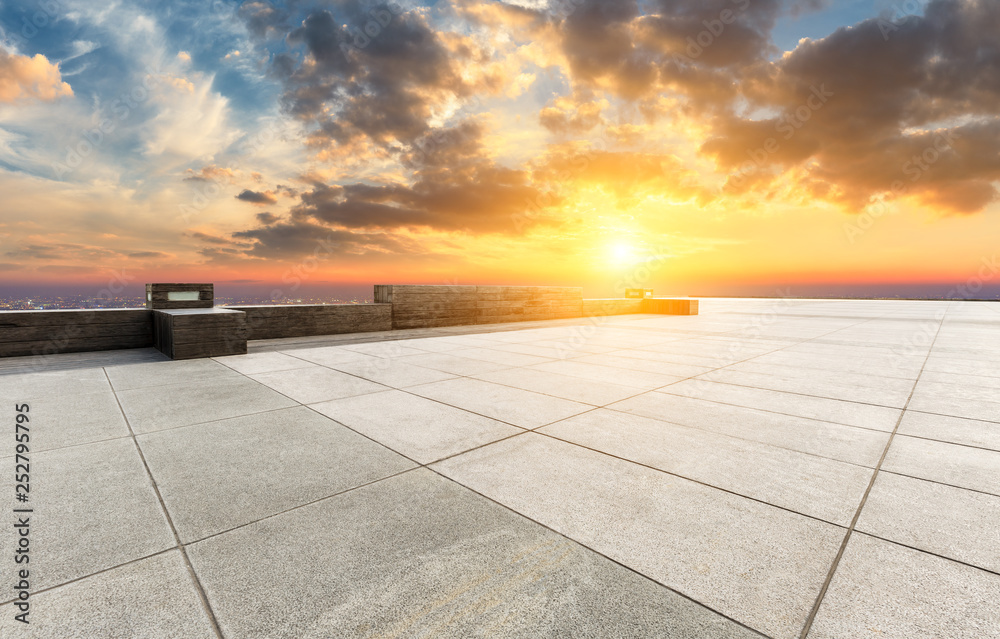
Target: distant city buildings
42	303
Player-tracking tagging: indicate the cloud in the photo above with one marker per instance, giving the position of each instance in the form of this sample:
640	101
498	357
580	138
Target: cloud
149	255
257	197
267	218
23	78
207	238
911	105
299	238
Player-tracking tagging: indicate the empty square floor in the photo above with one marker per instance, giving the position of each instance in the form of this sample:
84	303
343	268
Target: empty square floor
769	468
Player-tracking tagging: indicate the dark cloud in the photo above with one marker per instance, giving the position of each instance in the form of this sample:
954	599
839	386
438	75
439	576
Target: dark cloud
256	197
208	239
149	255
267	218
381	83
301	238
263	19
912	110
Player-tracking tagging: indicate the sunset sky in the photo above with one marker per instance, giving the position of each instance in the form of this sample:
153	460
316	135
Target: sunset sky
701	147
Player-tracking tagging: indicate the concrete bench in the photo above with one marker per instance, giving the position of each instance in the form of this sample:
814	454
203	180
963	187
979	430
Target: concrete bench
199	332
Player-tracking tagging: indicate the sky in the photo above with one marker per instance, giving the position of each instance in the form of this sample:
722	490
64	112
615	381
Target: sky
696	147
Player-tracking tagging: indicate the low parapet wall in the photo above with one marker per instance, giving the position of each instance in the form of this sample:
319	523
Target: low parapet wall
601	308
73	331
397	307
272	322
422	306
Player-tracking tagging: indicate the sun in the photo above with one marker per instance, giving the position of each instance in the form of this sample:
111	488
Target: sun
622	253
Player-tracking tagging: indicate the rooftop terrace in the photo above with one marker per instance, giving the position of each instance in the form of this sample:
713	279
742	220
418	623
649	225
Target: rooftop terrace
777	468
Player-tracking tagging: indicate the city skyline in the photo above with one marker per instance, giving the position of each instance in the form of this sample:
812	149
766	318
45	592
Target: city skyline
729	147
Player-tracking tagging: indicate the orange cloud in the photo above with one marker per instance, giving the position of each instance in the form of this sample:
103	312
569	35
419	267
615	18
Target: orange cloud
23	77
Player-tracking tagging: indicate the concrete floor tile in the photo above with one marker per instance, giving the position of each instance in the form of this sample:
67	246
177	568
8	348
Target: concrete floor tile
452	363
151	409
821	408
317	384
265	362
952	522
955	430
825	439
386	349
810	485
60	420
499	357
648	365
421	429
94	508
981	407
392	372
962	466
752	562
576	389
216	476
890	392
49	383
888	591
639	380
445	563
512	405
156	374
153	597
327	355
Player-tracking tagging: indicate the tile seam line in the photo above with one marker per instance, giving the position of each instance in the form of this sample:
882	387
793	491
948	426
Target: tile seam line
941	483
601	554
192	575
775	412
864	499
930	552
406	390
95	573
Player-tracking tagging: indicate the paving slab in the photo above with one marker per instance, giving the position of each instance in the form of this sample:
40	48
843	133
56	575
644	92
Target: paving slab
505	358
183	404
216	476
892	392
576	389
316	384
94	508
49	383
59	420
445	563
156	374
512	405
453	364
982	408
640	380
971	432
392	372
889	591
152	597
807	484
821	408
263	362
837	441
755	563
386	349
327	355
617	360
962	466
419	428
952	522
